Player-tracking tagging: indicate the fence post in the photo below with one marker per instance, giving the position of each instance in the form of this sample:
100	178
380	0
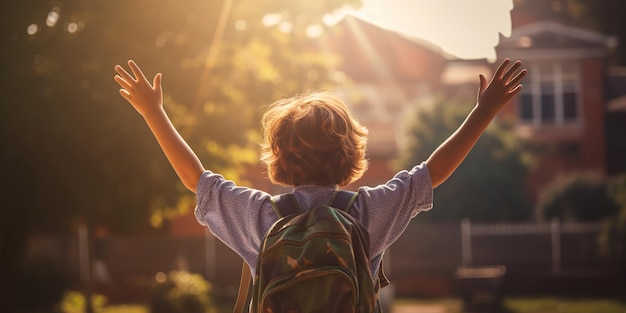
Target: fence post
466	241
84	264
210	255
555	234
83	253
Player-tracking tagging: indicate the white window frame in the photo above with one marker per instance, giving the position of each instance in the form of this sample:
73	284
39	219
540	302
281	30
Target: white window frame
533	87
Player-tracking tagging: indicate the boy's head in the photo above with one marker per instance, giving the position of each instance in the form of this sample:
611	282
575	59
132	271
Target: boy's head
312	139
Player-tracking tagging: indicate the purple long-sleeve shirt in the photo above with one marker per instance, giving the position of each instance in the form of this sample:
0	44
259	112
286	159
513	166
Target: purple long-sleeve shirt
240	216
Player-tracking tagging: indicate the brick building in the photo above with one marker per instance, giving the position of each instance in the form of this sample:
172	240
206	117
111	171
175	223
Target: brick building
562	108
573	108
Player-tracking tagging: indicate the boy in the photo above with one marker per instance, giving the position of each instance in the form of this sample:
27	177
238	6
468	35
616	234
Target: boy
312	143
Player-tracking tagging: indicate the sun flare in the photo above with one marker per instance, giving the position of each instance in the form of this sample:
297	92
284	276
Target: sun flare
467	29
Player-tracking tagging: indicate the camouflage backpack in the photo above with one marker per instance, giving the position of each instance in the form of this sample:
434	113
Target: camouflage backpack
315	261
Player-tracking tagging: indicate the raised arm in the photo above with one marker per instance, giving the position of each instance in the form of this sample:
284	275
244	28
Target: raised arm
492	97
147	99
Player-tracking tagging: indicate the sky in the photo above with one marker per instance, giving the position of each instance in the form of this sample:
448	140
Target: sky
465	28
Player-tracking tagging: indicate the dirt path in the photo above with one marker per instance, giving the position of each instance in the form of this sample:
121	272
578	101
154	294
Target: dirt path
418	308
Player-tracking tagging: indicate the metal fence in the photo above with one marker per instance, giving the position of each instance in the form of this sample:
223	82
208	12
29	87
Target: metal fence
423	261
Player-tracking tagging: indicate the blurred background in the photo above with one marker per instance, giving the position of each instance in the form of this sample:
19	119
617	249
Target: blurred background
93	218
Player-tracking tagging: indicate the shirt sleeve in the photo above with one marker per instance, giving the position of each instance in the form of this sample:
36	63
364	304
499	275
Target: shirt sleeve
386	210
238	216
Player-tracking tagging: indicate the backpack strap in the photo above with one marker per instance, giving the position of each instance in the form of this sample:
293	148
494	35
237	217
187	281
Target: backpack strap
344	200
285	204
244	288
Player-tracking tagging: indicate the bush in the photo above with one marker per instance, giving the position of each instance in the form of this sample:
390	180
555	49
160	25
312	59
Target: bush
613	236
180	292
617	189
75	301
489	185
578	197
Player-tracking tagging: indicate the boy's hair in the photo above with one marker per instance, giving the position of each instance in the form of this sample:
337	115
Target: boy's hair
312	139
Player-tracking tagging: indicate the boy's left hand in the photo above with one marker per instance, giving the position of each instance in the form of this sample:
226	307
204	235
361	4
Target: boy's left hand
503	87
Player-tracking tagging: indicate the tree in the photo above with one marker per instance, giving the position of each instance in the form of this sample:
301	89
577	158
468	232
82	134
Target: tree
590	197
605	16
577	197
91	154
489	184
74	151
613	236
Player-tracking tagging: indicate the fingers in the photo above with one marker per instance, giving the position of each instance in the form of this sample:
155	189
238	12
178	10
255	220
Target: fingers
511	76
500	71
517	89
136	70
514	92
137	73
483	82
518	78
512	71
122	82
124	93
156	82
124	74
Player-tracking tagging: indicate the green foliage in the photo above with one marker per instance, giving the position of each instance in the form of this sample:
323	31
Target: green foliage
613	236
73	141
617	190
180	292
604	16
75	302
489	184
125	308
553	304
579	197
74	151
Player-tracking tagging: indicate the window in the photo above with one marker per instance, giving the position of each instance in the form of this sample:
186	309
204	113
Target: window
551	94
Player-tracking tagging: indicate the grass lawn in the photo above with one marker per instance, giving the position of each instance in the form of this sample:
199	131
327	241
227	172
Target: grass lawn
452	305
130	308
523	305
558	305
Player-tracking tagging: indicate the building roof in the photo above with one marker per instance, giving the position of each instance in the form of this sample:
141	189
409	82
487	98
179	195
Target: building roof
370	52
548	39
388	71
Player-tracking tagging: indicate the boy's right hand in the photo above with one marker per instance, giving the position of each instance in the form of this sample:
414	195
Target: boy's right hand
503	87
138	91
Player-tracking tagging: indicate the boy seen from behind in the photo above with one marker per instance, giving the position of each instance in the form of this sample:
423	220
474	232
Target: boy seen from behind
313	144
